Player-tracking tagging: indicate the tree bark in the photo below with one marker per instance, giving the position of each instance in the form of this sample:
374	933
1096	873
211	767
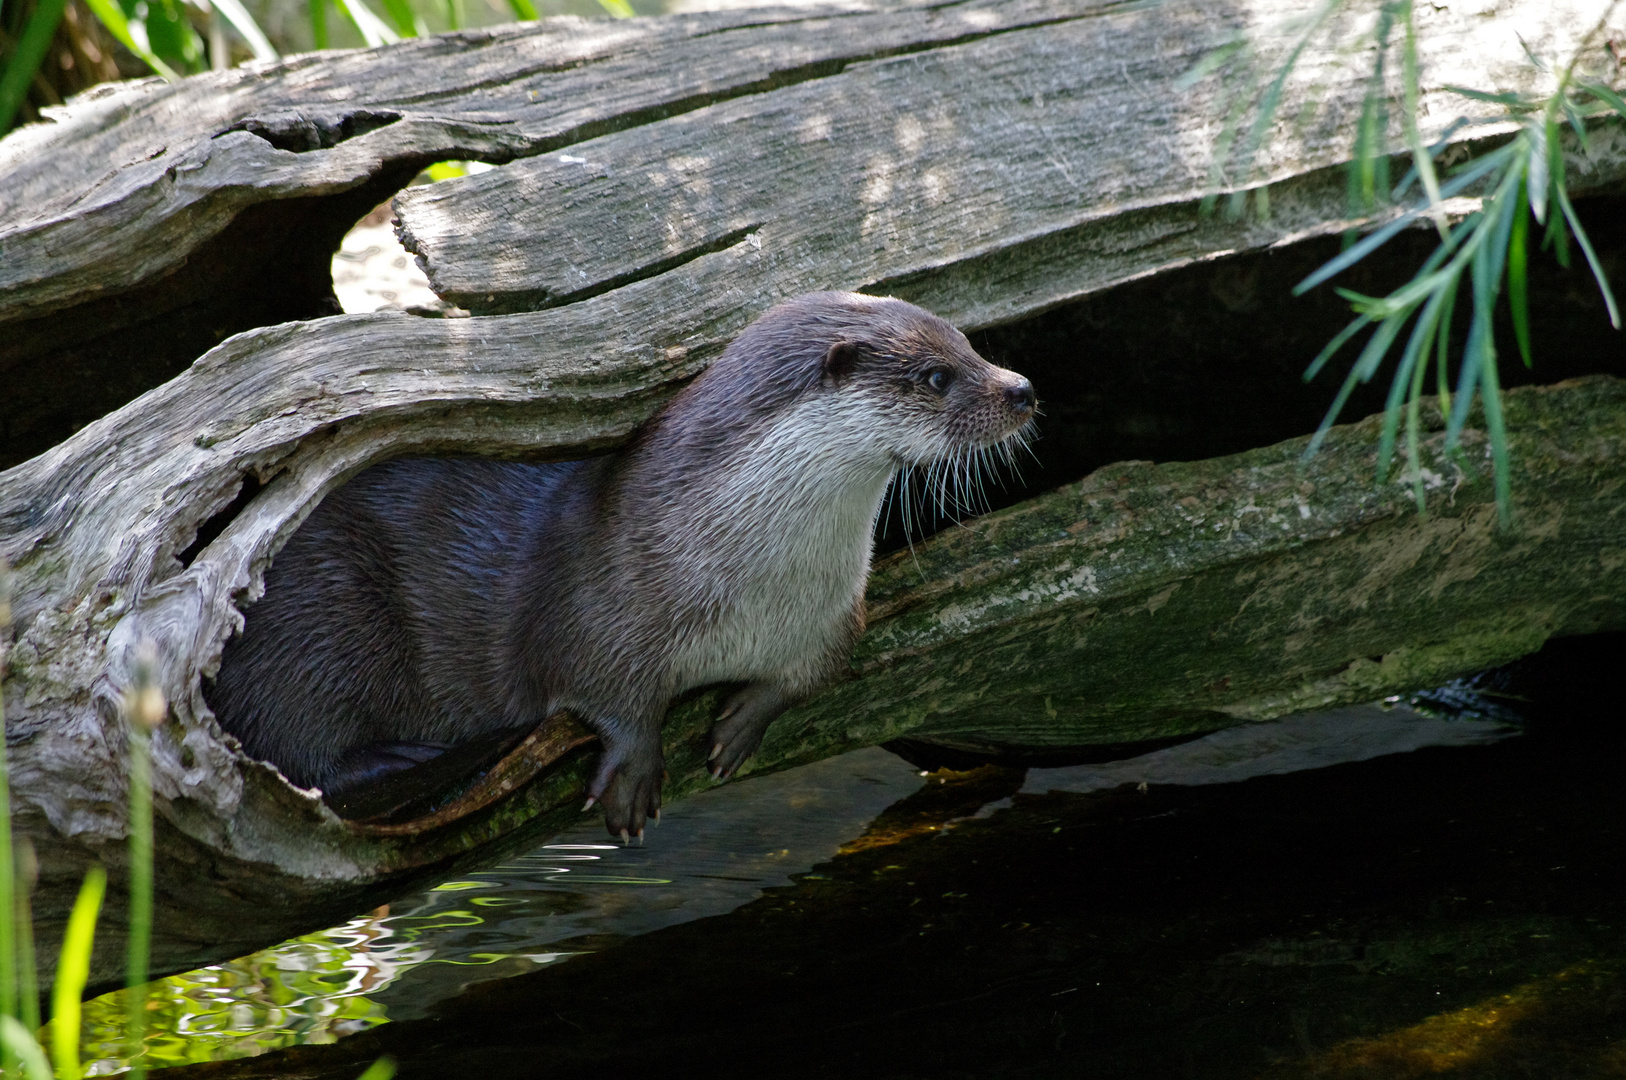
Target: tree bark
668	180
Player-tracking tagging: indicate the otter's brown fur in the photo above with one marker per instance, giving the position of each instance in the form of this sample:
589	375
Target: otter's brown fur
428	601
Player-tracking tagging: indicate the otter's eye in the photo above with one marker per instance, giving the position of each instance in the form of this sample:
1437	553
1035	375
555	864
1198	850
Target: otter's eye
939	379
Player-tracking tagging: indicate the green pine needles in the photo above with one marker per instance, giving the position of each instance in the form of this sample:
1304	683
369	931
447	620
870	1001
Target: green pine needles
1519	182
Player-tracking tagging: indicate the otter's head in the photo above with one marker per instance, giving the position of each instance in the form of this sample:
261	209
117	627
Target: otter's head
939	398
915	387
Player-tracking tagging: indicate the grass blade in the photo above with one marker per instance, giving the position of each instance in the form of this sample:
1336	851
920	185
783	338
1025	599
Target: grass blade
139	942
1335	344
26	57
524	9
1591	256
1605	95
1422	160
618	9
1443	378
318	16
1414	461
28	989
1577	122
406	20
1361	371
244	24
382	1069
144	711
1371	243
1480	349
1556	229
1495	426
1364	167
21	1046
1518	295
368	25
1512	99
1421	334
72	971
1538	179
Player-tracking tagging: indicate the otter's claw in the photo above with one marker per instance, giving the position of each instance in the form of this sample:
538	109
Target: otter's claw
739	729
628	785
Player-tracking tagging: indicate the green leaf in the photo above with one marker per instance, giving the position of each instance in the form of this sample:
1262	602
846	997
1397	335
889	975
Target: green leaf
72	972
25	59
524	9
1518	296
111	16
170	35
619	9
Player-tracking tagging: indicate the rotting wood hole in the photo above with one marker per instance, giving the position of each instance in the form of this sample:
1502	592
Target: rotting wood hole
216	523
299	132
272	264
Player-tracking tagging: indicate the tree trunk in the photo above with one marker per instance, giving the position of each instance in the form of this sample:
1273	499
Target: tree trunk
667	180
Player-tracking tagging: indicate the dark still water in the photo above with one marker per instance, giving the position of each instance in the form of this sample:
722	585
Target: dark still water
1449	901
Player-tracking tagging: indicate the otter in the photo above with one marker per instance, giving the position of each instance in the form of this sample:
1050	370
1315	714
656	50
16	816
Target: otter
431	601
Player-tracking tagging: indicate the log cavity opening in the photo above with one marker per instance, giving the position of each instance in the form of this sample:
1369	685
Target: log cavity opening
299	133
1208	360
272	264
216	523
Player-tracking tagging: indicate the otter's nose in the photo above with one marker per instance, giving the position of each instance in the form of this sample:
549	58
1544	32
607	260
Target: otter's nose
1020	396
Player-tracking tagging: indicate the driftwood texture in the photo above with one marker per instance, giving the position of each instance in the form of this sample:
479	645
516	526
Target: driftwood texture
667	181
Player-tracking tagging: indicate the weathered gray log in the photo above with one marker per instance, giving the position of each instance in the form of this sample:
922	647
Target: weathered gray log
976	173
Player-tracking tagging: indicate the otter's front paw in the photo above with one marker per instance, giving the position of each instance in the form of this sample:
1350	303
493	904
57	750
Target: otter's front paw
739	730
628	786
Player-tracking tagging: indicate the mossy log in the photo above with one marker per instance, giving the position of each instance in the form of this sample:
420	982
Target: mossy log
666	181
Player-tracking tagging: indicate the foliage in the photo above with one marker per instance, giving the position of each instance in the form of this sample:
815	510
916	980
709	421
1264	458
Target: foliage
173	38
1520	180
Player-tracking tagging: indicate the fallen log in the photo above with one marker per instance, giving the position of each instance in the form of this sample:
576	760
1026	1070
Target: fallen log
952	154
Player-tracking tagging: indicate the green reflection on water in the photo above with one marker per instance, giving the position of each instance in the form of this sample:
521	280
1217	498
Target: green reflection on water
313	989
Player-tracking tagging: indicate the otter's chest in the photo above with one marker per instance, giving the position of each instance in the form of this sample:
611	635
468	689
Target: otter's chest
777	599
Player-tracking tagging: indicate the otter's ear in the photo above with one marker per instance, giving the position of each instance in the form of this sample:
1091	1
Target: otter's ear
840	362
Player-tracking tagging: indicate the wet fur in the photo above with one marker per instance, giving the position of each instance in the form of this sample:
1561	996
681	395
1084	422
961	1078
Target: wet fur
431	600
